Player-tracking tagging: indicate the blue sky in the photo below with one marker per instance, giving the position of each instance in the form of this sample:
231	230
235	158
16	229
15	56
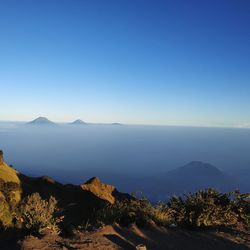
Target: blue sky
130	61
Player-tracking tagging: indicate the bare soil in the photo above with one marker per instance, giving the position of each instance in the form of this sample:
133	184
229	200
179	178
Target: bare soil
153	237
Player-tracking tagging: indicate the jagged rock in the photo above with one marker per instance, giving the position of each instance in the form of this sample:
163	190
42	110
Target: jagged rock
141	247
101	190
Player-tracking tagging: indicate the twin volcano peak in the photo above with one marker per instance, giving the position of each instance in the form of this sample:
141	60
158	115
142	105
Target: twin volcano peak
45	121
41	121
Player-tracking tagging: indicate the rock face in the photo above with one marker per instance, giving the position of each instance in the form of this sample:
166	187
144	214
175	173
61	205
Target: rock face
101	190
1	157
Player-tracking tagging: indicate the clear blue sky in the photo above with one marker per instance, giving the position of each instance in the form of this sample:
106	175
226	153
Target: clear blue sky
130	61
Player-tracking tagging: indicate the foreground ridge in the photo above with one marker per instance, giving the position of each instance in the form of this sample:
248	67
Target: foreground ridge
97	216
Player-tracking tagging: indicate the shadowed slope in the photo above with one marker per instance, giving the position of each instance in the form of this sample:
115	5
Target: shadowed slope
78	203
153	237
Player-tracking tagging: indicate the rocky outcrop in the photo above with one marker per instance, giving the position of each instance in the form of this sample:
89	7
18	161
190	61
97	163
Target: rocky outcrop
104	191
77	203
1	157
101	190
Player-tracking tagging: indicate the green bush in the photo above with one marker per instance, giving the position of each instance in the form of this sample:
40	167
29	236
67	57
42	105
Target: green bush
36	214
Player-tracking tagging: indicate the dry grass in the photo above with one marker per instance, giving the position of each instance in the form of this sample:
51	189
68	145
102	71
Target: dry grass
205	208
10	175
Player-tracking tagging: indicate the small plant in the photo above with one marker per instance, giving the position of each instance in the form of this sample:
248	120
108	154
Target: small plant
5	214
9	190
125	212
36	214
161	215
89	225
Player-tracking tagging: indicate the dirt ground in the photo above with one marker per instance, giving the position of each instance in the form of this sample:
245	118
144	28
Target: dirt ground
153	237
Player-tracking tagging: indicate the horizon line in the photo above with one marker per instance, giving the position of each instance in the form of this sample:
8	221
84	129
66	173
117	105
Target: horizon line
137	124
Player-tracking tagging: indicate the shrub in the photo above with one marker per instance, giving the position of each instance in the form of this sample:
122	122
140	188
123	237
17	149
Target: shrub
161	215
35	214
125	212
11	191
208	208
5	214
205	208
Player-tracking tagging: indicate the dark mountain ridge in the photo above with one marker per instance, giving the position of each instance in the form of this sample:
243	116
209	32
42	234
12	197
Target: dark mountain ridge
77	202
107	209
191	177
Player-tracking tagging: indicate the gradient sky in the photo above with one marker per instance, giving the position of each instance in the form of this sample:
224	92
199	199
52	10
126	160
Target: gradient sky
130	61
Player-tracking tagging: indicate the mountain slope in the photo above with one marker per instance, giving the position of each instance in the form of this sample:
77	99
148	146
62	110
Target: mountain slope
104	191
10	191
198	174
191	177
41	121
241	175
8	174
77	203
78	122
9	177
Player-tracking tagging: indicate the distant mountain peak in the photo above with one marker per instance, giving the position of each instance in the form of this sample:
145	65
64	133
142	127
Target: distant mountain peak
41	121
199	164
116	123
198	168
78	122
